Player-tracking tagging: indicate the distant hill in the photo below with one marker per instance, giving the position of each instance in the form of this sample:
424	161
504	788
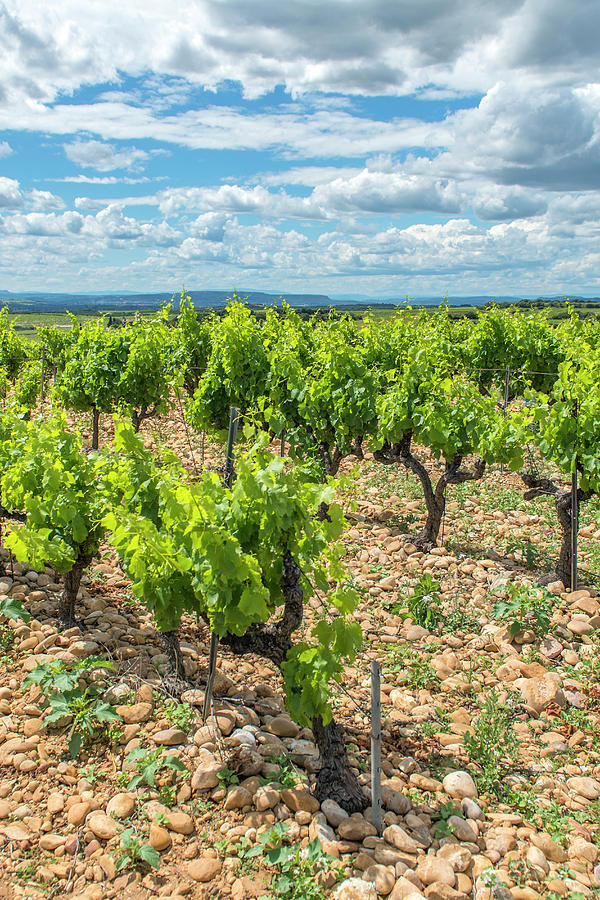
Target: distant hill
46	302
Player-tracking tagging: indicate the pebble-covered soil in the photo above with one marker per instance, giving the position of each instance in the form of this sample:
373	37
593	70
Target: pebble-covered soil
490	739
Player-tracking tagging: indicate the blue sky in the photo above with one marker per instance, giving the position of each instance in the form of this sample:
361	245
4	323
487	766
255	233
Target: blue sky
371	147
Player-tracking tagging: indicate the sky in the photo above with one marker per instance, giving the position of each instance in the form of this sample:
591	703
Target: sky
368	147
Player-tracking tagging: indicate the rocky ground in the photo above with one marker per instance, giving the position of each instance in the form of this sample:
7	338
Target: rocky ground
491	739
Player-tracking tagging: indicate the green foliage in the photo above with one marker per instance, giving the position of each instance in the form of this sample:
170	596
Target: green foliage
7	637
149	763
526	609
446	811
227	777
127	369
70	694
10	608
181	715
525	342
411	667
236	370
219	553
13	349
493	746
45	474
191	343
424	604
135	852
297	868
323	400
287	776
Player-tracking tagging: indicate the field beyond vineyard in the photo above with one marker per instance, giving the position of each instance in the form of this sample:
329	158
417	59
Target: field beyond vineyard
400	492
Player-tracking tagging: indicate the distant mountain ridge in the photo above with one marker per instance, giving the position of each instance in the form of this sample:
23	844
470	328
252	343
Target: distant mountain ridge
37	301
27	301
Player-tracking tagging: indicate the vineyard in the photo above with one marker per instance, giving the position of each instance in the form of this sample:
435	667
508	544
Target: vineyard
214	528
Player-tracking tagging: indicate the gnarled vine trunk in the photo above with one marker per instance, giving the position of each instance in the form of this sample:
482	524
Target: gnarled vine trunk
71	583
335	779
175	680
435	497
563	501
138	417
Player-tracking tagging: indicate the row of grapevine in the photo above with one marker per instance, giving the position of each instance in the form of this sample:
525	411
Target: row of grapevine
232	557
415	381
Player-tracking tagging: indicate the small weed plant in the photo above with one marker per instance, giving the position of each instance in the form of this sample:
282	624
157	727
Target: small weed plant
287	776
443	828
134	852
149	763
424	604
525	609
297	868
493	746
71	695
181	715
227	777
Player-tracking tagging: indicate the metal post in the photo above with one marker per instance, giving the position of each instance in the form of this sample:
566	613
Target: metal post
233	427
376	746
574	529
506	381
214	638
43	375
212	665
282	443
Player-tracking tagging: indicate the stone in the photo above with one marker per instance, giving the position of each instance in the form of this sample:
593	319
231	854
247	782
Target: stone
582	849
266	798
282	726
135	714
33	726
405	890
585	787
247	762
435	868
460	785
51	841
459	857
102	826
15	832
382	877
204	869
55	804
205	778
180	823
159	838
539	692
461	829
334	813
170	737
500	841
395	800
121	806
416	633
238	797
77	813
297	799
355	828
536	858
438	890
398	838
549	848
355	889
471	809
